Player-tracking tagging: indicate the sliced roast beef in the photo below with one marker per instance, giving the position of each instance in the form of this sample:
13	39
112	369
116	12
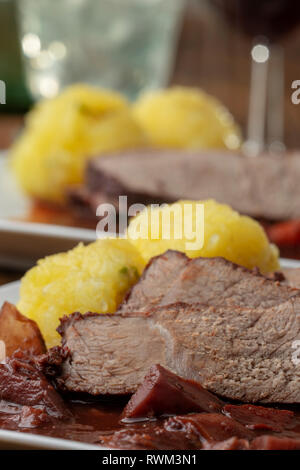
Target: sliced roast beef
151	176
164	393
108	354
173	277
292	277
157	278
22	383
237	352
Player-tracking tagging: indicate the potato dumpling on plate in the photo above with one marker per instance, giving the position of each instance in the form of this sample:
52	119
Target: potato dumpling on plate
186	118
226	233
62	133
88	278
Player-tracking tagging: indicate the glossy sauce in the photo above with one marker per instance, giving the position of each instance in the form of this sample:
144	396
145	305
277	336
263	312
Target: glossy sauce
92	420
88	422
48	213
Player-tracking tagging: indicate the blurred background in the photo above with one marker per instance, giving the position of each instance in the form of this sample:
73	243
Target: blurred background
243	52
133	45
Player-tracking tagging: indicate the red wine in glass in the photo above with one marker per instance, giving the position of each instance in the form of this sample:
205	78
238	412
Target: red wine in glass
270	18
266	22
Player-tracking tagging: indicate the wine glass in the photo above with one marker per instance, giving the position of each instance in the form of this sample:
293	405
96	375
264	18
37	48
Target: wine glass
266	22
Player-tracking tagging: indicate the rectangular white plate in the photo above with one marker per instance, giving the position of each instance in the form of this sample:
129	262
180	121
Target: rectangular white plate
23	243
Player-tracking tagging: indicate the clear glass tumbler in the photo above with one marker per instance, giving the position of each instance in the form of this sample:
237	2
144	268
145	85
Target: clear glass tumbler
127	45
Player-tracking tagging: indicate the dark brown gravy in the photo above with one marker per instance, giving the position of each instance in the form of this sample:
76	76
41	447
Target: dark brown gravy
89	420
50	213
92	420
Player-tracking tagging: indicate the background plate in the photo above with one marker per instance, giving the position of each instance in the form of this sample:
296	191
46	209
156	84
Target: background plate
23	243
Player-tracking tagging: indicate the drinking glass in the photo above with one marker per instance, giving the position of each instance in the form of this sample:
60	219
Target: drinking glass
127	45
266	22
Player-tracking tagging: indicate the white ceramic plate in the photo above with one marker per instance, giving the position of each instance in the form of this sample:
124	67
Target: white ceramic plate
12	440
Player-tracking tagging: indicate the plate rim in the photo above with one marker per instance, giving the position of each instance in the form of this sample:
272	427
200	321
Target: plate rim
47	230
23	439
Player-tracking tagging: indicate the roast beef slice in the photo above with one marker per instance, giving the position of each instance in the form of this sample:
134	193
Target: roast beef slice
237	352
264	187
173	277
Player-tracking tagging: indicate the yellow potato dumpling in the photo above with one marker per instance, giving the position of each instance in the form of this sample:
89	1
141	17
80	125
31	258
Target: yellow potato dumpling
87	278
237	238
62	133
186	118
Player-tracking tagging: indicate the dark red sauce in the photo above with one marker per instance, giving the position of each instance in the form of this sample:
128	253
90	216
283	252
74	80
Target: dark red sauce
87	423
90	421
49	213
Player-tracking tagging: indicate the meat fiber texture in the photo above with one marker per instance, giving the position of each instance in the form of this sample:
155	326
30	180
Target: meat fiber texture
27	395
207	320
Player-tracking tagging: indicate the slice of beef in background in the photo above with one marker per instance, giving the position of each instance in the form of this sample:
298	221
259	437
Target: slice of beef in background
173	277
22	383
260	418
148	176
236	352
19	332
84	202
164	393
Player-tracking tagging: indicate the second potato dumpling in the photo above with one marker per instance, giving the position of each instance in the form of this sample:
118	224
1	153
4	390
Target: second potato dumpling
187	118
62	133
226	233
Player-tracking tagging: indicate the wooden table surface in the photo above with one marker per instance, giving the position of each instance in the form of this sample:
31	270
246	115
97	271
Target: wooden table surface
215	57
